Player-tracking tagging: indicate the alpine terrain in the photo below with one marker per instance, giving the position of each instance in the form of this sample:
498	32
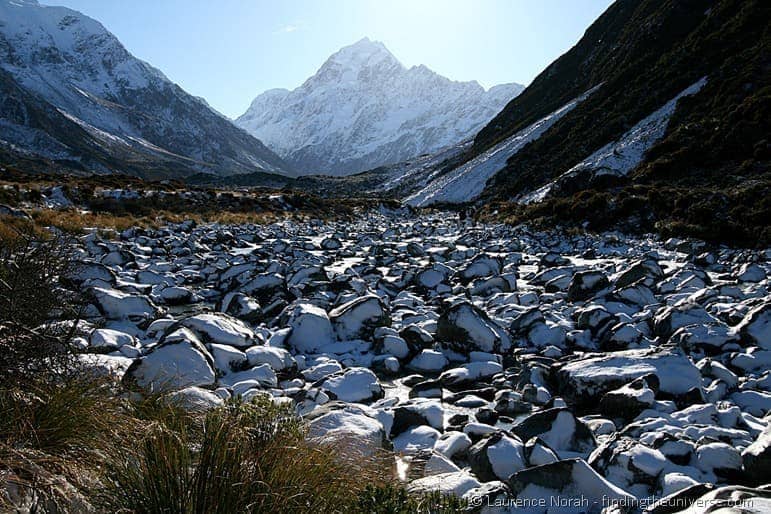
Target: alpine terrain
431	298
73	98
363	109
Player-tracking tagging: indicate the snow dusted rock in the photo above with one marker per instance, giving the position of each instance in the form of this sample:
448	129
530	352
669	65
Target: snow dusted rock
585	284
220	328
457	484
466	327
311	328
558	428
175	295
538	453
703	339
496	456
173	365
629	400
467	374
757	459
277	358
415	439
348	425
756	326
481	266
671	318
114	304
359	318
108	366
571	482
586	380
353	385
751	273
511	403
453	443
105	340
430	361
428	463
256	377
83	272
719	458
322	370
196	399
241	306
417	412
227	359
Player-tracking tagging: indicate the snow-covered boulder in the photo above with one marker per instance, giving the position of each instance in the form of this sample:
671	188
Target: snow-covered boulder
114	304
353	385
347	425
559	428
757	459
311	328
466	328
172	366
497	456
457	484
196	399
359	318
756	326
572	482
585	284
107	340
277	358
585	380
220	328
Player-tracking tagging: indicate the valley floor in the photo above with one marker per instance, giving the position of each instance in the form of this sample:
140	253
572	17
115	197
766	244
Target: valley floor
499	364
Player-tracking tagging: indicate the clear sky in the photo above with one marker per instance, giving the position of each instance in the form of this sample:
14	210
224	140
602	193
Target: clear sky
229	51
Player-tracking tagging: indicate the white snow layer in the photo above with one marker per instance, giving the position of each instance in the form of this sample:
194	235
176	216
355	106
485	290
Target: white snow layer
466	183
620	157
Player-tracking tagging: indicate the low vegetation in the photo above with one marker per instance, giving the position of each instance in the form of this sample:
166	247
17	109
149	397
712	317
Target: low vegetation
736	216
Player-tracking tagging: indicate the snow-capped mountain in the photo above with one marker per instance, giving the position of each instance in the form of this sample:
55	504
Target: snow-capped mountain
71	92
364	109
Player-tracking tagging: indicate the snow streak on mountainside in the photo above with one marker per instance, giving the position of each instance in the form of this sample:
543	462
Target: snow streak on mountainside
465	183
364	109
619	157
75	92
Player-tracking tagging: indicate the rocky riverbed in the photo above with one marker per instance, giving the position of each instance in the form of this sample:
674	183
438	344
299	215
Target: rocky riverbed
515	368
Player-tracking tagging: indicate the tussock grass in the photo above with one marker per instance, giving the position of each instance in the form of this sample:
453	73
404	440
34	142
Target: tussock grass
238	458
69	416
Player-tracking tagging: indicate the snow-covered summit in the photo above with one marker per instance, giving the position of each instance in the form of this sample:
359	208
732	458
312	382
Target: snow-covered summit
119	109
363	109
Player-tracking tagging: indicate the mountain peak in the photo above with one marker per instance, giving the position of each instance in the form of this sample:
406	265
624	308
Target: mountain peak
362	53
364	109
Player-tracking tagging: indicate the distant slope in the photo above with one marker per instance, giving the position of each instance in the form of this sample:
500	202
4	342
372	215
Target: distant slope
645	53
364	109
674	138
73	94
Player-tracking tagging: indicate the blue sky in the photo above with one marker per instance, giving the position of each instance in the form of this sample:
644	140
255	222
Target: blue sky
229	51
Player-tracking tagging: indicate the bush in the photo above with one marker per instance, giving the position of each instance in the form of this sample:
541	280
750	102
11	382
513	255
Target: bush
31	264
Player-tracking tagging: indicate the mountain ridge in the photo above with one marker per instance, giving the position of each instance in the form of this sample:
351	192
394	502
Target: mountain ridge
363	109
142	122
